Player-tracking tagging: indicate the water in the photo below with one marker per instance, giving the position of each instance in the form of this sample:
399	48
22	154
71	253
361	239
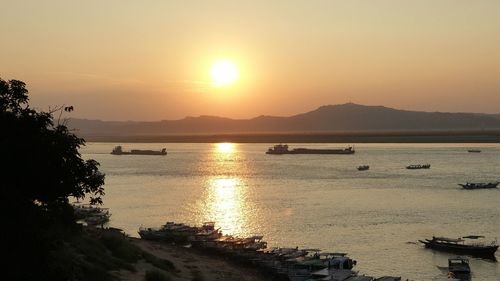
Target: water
315	200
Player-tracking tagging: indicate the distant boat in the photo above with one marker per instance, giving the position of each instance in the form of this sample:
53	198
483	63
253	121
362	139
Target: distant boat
414	167
363	168
459	246
283	149
119	151
479	185
474	150
459	269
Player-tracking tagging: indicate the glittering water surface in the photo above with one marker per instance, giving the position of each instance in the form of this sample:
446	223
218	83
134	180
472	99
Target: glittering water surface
315	200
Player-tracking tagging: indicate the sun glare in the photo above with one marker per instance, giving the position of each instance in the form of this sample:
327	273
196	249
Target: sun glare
224	72
225	147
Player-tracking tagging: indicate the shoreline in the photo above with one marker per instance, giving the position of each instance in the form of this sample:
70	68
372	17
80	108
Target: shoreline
194	264
486	136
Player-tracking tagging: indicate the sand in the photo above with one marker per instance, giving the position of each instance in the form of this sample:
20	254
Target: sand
191	263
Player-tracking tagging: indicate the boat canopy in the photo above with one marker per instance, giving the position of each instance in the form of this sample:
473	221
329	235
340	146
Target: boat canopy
312	250
445	239
333	254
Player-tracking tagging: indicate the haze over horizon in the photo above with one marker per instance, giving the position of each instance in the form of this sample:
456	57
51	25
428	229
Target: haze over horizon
124	60
330	106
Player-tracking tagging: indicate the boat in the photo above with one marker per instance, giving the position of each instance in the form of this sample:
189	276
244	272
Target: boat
363	168
283	149
479	185
90	214
459	246
459	269
179	232
474	150
119	151
419	166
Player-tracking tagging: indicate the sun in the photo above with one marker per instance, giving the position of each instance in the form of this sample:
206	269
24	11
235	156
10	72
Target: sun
224	72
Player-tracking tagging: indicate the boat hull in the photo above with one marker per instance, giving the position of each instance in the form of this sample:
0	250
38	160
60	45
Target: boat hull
312	151
484	186
145	152
486	251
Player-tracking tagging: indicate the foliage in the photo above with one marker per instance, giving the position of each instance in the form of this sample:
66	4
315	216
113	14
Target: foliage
121	248
159	263
44	164
41	169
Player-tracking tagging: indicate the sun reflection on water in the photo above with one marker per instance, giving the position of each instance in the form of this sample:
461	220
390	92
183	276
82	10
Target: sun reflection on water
225	197
225	148
225	204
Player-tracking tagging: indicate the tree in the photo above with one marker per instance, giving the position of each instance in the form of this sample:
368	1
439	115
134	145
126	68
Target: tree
41	169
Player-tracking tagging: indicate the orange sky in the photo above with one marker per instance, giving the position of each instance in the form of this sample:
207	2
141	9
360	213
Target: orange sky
150	60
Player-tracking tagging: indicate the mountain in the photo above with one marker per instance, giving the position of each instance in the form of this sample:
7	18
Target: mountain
347	118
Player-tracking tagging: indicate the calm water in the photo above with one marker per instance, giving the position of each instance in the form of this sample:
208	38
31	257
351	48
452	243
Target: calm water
315	200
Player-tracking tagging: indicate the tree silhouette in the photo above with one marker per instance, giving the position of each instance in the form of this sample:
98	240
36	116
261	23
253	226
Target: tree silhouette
41	169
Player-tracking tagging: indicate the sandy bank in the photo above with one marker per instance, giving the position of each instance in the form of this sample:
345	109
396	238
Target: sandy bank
191	263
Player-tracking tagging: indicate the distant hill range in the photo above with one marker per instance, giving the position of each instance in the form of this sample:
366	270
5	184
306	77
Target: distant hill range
345	118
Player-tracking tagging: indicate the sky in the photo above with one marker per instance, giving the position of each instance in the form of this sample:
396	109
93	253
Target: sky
152	60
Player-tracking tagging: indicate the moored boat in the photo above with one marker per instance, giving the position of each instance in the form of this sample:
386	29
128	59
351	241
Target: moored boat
418	166
474	150
180	232
459	269
283	149
459	246
119	151
91	214
479	185
363	168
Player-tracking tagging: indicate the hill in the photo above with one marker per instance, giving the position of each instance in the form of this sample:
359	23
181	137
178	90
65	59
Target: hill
344	118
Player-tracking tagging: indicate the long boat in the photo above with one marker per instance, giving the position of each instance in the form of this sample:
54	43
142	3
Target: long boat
283	149
459	246
418	166
479	185
119	151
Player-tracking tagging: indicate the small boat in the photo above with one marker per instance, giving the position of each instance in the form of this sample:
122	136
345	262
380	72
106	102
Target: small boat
419	166
283	149
474	150
119	151
363	168
479	185
459	269
459	246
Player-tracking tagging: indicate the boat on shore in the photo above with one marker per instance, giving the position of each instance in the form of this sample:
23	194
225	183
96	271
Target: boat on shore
459	246
479	185
90	214
292	264
179	232
363	168
118	150
459	269
418	166
283	149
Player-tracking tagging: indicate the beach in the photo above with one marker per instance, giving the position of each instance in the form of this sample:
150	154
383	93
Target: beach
191	264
